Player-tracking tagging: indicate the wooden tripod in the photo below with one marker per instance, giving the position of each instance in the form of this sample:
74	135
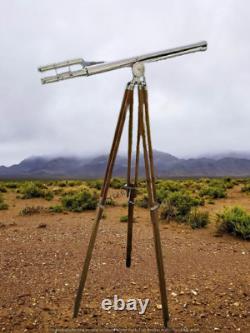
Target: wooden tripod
143	132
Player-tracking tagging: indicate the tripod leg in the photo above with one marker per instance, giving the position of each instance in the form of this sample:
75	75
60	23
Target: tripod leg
106	183
148	159
130	190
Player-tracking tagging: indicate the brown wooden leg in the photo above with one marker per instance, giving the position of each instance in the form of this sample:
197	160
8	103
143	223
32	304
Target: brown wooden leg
130	191
148	159
104	191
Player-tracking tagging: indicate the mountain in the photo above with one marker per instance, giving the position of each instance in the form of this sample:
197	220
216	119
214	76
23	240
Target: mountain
166	166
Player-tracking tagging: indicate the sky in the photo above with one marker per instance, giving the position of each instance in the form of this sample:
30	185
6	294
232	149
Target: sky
199	103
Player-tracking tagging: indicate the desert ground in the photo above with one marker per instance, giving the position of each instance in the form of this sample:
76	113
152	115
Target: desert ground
42	254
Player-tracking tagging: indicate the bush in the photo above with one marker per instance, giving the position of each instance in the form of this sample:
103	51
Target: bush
3	189
74	183
246	188
62	184
178	206
3	205
198	219
110	202
234	221
97	184
213	192
142	201
11	185
56	209
32	210
164	188
117	183
31	190
80	201
124	218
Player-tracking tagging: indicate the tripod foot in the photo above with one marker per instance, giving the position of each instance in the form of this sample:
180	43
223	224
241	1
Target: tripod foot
128	262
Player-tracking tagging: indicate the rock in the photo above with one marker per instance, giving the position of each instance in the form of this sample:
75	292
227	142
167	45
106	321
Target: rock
42	225
236	304
158	306
194	292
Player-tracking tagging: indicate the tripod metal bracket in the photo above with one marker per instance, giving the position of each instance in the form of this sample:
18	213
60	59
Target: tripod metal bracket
155	207
129	187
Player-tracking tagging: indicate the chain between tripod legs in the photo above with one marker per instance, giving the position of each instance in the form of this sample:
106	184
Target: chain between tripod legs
143	133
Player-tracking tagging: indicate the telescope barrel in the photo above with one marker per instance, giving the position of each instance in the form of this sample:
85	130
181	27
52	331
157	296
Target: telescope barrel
62	64
109	66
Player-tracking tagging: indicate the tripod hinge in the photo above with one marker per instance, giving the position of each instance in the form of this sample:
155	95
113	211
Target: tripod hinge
155	207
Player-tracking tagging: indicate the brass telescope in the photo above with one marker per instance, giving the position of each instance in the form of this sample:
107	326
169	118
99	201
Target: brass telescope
91	68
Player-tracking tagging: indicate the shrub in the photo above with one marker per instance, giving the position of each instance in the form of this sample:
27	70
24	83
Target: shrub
234	221
80	201
3	189
178	206
48	195
124	218
31	190
166	187
97	184
246	188
142	201
74	183
198	219
31	210
117	183
213	192
11	185
56	209
62	184
110	202
3	205
167	211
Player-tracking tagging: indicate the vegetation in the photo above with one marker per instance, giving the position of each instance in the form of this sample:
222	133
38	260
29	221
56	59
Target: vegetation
178	206
178	199
110	202
3	205
142	201
234	221
56	209
80	201
12	185
117	183
124	218
31	210
97	184
198	219
246	188
31	190
213	192
3	189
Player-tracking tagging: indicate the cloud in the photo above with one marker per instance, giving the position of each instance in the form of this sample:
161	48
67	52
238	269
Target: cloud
198	103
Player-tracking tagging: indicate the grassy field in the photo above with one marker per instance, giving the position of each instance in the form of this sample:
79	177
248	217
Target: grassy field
44	231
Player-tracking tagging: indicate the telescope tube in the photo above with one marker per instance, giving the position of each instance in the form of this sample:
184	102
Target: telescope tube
109	66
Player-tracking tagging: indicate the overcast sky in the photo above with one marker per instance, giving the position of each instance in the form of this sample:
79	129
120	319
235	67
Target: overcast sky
199	103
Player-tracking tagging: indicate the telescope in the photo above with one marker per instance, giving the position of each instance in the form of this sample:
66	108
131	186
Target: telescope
143	138
91	68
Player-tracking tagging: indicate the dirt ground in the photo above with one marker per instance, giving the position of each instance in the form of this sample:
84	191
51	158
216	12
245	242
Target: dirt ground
207	276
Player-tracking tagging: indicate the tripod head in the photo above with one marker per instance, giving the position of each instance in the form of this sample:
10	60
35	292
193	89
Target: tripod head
91	68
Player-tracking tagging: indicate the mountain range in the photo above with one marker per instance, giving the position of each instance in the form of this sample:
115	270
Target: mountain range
166	166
